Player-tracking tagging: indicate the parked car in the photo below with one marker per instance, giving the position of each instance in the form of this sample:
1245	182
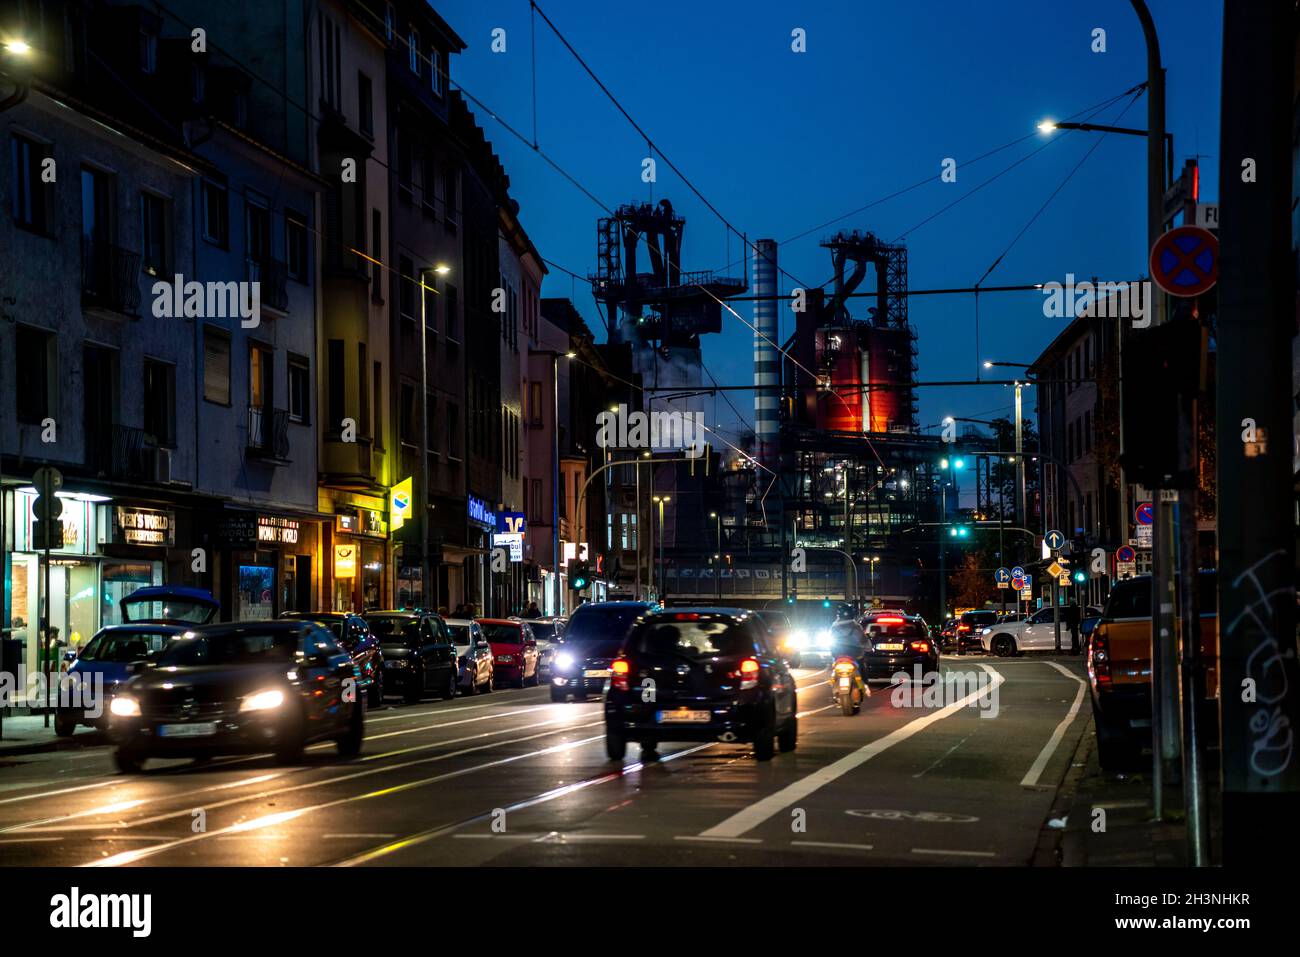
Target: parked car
474	656
716	677
419	656
548	633
240	687
352	632
970	625
154	614
1035	633
514	650
581	665
899	643
1119	668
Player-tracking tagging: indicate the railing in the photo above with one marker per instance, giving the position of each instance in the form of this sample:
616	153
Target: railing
110	276
268	432
116	452
273	276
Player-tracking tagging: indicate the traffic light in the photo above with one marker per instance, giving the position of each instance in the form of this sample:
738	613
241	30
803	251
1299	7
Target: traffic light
1162	365
959	531
826	603
579	576
1080	576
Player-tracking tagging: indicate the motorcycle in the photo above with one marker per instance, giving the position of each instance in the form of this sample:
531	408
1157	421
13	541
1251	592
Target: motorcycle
848	686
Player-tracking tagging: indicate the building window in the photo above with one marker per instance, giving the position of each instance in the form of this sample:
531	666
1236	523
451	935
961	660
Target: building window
450	181
299	390
216	214
29	196
363	388
379	405
539	510
406	287
216	366
406	415
431	424
261	376
435	70
1087	431
429	290
404	168
413	50
257	231
329	62
35	365
153	234
160	402
148	51
429	192
453	431
453	307
295	246
365	104
535	403
337	385
377	252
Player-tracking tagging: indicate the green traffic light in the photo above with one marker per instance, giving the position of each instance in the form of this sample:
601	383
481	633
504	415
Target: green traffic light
1080	576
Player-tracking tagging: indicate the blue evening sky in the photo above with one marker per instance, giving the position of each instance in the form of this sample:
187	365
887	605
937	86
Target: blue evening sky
780	142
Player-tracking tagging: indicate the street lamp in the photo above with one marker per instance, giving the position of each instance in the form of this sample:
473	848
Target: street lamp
660	500
1047	127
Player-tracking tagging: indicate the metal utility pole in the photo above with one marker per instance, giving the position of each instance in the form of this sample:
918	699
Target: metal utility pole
1164	664
943	575
1022	507
1257	549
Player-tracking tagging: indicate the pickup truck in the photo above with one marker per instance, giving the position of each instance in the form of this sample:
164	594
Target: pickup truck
1119	668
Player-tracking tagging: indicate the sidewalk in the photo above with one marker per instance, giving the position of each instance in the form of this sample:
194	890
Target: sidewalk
1131	837
27	734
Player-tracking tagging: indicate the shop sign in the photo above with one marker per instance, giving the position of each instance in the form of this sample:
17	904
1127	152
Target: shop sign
345	561
277	530
76	519
238	530
399	503
512	541
511	523
479	512
143	526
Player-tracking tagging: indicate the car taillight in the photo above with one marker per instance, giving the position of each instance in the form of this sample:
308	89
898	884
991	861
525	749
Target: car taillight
890	620
921	647
747	673
845	665
1099	659
619	669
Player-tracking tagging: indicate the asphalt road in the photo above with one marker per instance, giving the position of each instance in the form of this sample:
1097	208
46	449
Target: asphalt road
511	778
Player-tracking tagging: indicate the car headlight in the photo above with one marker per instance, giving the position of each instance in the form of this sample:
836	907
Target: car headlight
986	631
124	706
824	638
797	640
564	661
263	700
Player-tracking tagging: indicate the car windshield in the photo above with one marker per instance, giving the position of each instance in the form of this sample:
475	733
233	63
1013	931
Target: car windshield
543	630
230	648
503	634
691	639
396	630
123	646
593	623
980	617
904	629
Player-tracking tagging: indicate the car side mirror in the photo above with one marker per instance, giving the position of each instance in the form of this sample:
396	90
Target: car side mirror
69	656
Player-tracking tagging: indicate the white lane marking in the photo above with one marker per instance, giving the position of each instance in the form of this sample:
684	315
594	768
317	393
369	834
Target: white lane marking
754	815
930	850
851	847
560	837
1040	763
446	724
718	840
270	820
29	840
42	794
350	837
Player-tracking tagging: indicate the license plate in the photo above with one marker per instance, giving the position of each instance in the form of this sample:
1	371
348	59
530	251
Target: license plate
844	683
890	647
683	717
197	729
596	674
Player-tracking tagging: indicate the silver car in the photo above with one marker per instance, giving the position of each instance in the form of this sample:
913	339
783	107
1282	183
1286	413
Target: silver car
548	632
474	656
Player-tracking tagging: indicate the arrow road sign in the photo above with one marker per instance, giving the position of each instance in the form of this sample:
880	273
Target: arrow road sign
1002	576
1054	539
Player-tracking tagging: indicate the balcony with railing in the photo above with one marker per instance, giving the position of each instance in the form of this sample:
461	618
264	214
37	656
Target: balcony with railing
273	276
110	277
268	434
116	452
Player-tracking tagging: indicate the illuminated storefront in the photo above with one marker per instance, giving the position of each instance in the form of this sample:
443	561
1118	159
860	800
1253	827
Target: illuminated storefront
267	564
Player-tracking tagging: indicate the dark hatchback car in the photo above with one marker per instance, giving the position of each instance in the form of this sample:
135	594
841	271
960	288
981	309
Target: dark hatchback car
352	632
580	665
970	625
419	655
899	643
243	687
709	674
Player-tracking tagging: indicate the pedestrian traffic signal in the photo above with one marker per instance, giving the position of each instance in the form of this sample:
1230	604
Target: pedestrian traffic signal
579	576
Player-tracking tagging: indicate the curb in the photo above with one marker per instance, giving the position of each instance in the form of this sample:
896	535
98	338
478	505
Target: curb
1053	849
